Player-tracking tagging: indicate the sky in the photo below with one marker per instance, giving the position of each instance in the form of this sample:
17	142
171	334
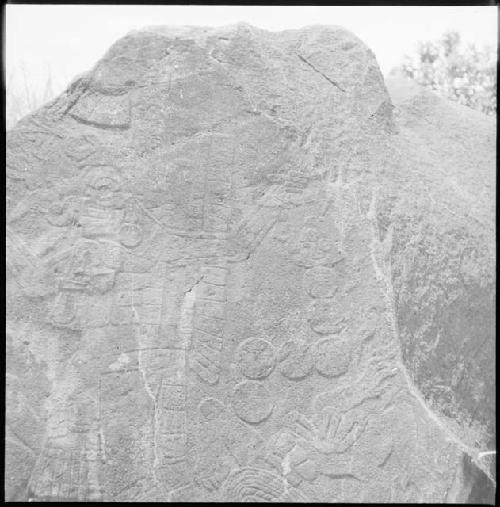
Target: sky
69	39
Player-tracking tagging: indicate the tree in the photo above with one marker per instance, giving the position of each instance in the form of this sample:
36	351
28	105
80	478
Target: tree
22	97
462	73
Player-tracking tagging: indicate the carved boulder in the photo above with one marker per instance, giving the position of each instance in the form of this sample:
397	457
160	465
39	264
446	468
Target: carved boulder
239	269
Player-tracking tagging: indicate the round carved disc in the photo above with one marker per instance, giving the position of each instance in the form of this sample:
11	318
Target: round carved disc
332	357
252	402
295	359
256	358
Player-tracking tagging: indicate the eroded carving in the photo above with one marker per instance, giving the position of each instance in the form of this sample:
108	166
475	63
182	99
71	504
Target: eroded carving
256	358
295	359
324	317
332	357
104	186
209	300
65	474
102	111
64	213
130	235
211	409
212	470
321	282
252	402
253	485
316	245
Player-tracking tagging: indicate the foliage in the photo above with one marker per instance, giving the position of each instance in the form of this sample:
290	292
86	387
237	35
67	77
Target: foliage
21	98
462	73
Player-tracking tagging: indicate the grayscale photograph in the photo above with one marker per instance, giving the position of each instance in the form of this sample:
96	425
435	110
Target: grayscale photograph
250	254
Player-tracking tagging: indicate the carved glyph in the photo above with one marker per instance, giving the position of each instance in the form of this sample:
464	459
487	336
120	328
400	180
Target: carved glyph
256	358
252	402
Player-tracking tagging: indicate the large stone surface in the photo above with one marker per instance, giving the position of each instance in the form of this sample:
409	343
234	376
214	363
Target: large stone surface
238	271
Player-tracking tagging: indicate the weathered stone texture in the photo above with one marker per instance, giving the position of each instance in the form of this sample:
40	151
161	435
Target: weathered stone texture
238	271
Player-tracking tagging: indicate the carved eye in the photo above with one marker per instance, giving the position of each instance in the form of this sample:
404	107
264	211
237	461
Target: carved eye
105	184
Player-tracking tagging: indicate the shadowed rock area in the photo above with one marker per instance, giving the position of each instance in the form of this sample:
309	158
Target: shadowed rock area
240	269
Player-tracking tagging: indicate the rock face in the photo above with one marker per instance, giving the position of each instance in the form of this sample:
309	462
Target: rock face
238	271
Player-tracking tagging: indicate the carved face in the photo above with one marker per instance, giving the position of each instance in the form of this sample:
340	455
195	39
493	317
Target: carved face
104	187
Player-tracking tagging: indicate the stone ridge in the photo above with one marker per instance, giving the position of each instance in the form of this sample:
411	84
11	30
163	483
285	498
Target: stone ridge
171	31
271	45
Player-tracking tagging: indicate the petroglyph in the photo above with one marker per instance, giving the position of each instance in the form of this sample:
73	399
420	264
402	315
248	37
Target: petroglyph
252	402
295	359
256	358
324	316
332	357
226	280
254	485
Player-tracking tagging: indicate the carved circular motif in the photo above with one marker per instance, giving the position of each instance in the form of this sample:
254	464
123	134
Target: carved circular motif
211	408
252	402
321	282
295	360
256	358
253	485
130	235
323	318
332	357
